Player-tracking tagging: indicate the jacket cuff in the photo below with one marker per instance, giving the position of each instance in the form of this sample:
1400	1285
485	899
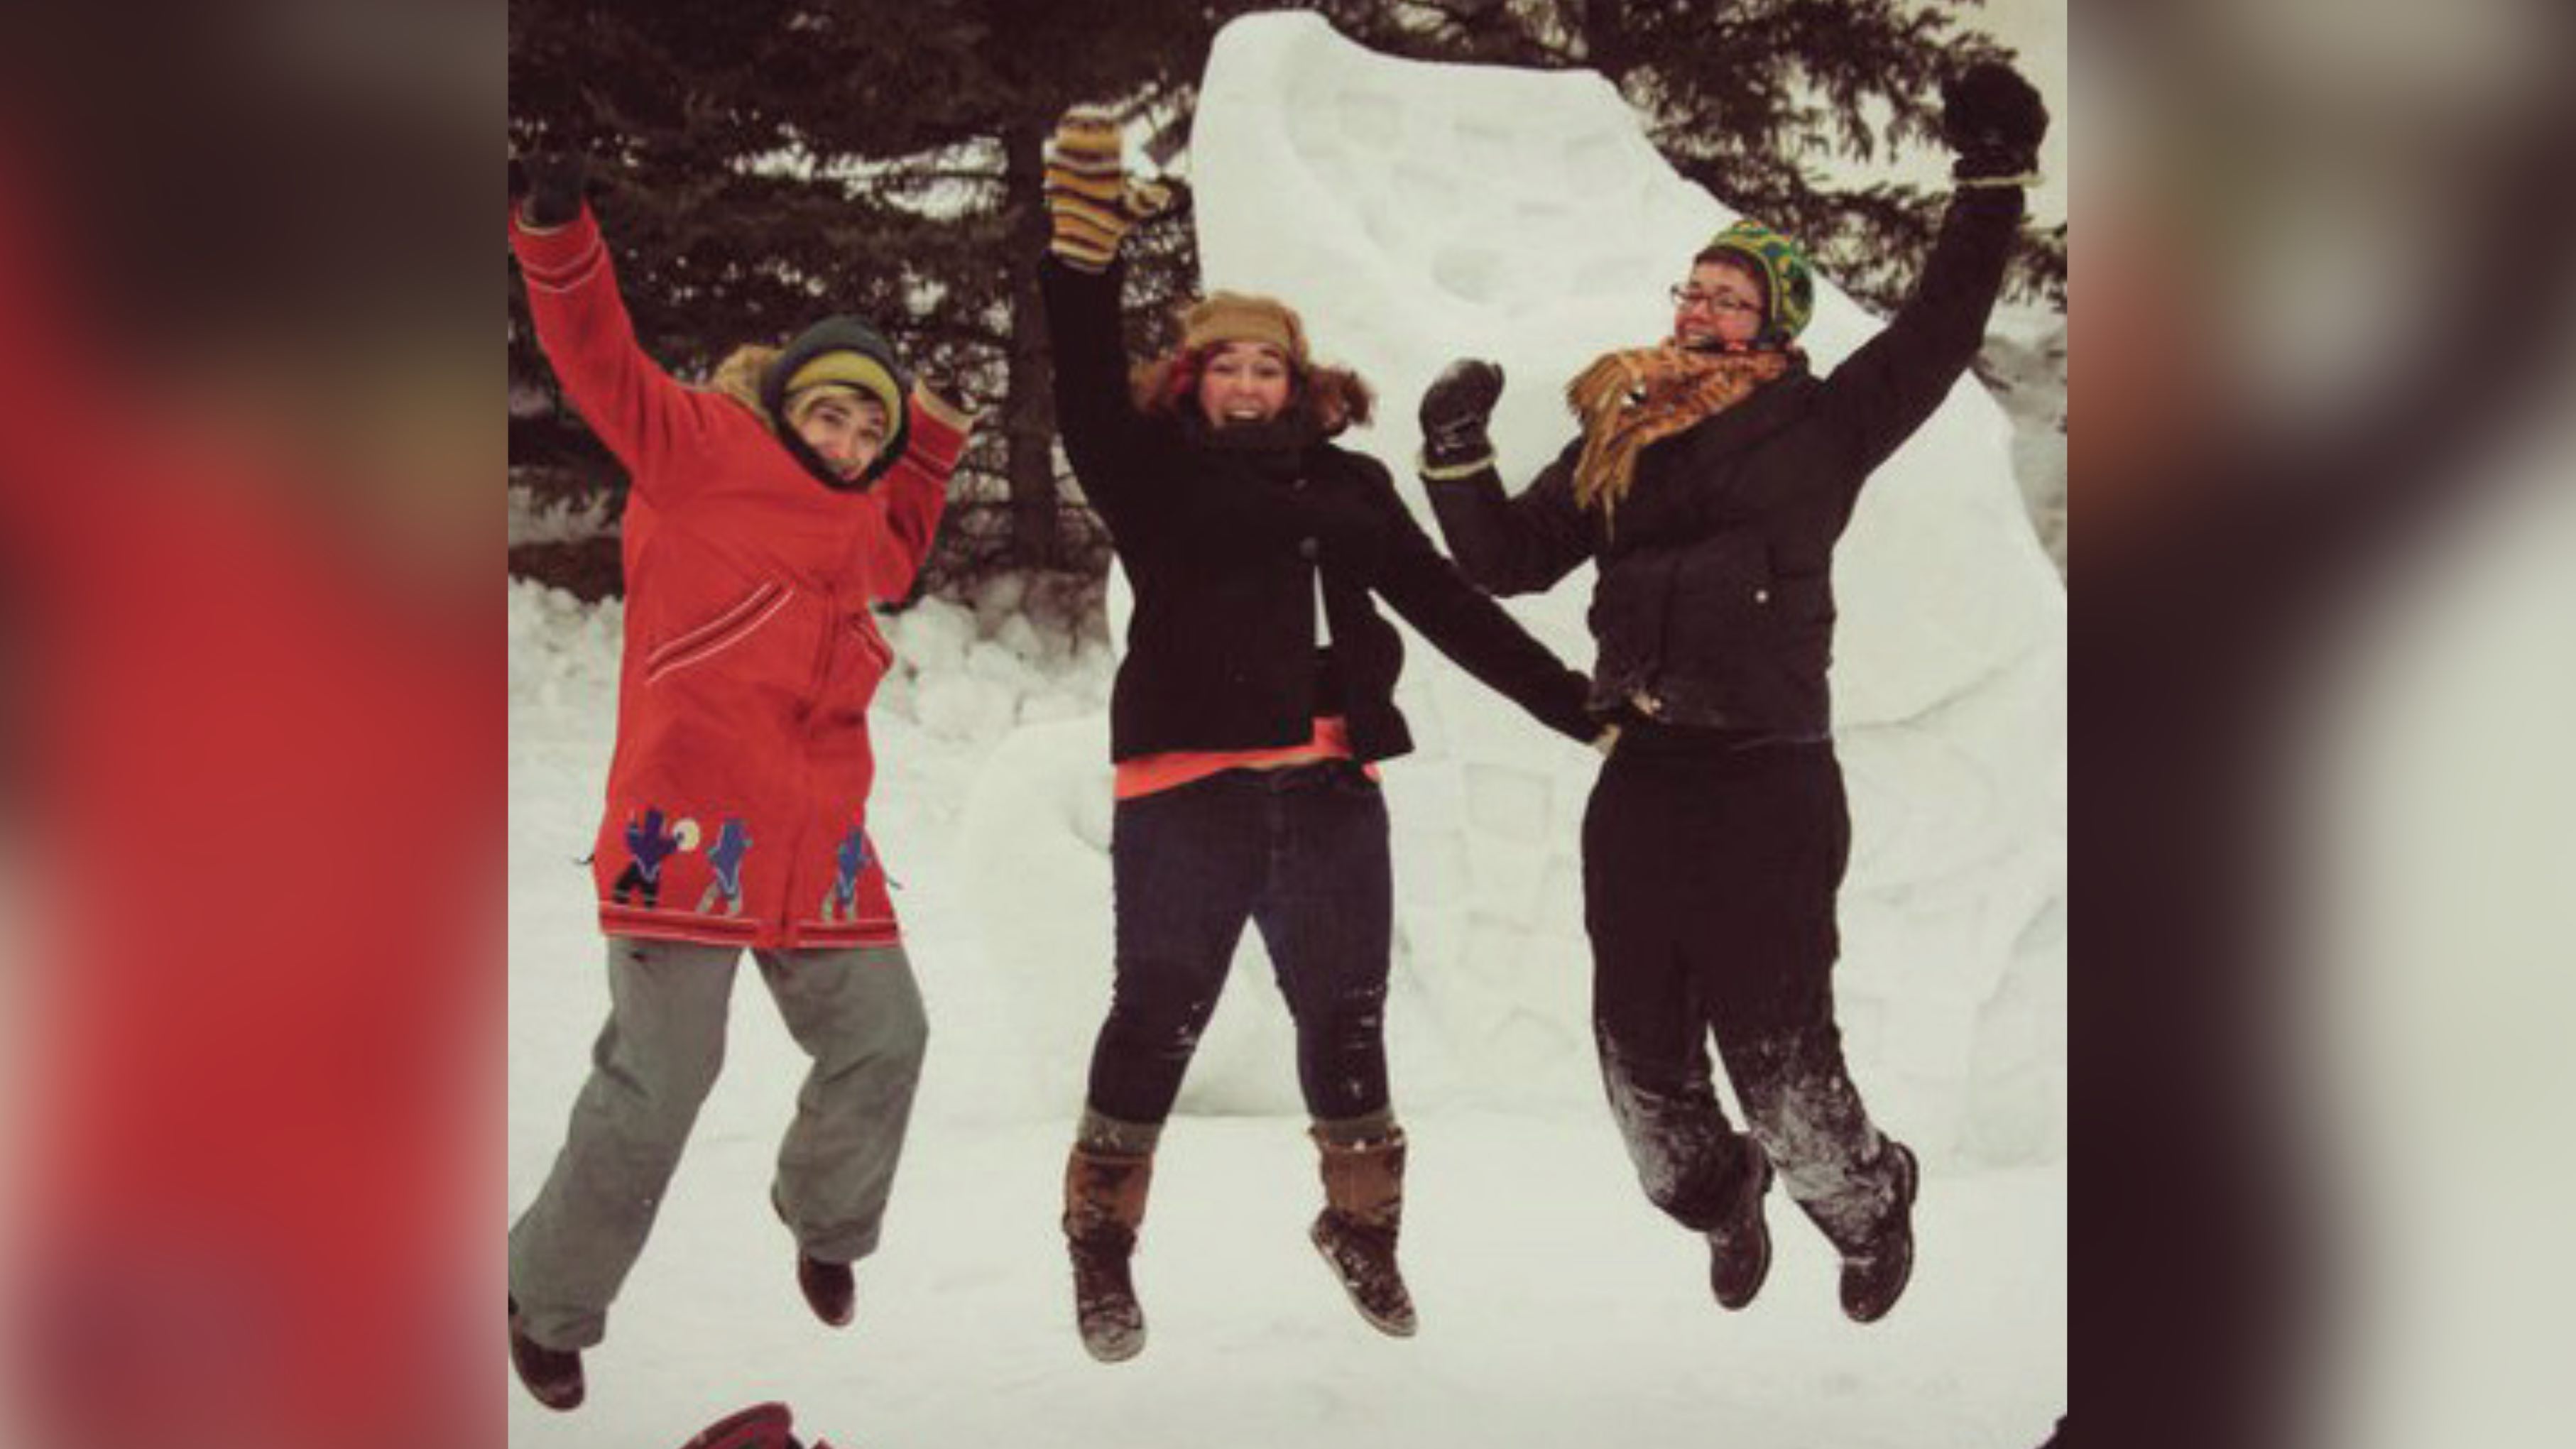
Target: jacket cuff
1089	262
938	433
1070	267
1451	472
932	405
558	258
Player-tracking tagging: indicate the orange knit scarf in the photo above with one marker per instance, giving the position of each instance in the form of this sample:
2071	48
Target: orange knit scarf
1630	399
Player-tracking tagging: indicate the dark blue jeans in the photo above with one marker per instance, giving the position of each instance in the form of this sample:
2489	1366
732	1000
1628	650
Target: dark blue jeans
1300	852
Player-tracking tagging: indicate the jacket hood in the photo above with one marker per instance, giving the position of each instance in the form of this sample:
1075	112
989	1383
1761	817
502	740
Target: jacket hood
738	377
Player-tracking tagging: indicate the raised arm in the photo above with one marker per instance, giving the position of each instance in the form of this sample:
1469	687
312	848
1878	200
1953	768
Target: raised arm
1994	121
634	407
1505	545
1092	205
1104	436
913	493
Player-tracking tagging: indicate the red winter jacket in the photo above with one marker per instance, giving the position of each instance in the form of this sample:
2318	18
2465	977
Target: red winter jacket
737	801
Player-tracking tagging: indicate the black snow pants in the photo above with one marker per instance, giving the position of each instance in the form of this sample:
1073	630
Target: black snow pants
1710	871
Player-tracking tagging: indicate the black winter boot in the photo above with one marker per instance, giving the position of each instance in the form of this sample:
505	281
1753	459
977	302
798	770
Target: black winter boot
1104	1205
1739	1249
1363	1208
553	1375
1875	1275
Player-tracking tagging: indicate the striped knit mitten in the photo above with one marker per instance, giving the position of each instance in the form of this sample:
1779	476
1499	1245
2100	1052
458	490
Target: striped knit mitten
1088	194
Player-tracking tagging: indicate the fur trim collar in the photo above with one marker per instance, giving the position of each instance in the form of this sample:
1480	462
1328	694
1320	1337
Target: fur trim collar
739	376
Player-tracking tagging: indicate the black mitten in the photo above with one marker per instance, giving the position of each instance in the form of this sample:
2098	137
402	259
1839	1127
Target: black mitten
553	186
1455	409
1994	120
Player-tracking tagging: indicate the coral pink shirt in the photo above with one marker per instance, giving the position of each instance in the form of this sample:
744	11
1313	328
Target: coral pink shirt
1151	774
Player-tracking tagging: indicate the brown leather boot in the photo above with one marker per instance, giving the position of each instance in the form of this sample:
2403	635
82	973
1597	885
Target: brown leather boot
1363	1207
1104	1205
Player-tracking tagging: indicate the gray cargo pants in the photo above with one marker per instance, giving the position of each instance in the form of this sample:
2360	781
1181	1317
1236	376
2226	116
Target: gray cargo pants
857	1013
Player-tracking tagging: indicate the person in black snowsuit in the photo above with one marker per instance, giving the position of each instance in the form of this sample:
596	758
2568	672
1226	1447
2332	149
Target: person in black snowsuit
1256	695
1712	479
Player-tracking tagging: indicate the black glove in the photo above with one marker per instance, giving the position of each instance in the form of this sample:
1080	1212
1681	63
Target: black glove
1454	411
550	186
1994	120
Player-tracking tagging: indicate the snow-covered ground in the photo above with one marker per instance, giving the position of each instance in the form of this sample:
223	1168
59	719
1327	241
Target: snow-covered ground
1552	1295
1558	1308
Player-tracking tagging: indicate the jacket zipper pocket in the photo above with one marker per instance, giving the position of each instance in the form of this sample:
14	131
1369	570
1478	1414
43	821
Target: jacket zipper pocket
873	642
718	634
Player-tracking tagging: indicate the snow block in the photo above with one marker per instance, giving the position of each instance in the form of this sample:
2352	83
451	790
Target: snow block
1414	213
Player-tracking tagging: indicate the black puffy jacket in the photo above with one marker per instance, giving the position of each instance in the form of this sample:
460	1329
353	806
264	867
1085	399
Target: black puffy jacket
1714	604
1224	537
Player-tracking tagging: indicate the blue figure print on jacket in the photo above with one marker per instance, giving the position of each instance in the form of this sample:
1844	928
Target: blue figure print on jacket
649	843
733	842
841	903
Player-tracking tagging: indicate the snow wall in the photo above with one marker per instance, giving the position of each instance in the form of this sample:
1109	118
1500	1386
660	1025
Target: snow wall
1417	212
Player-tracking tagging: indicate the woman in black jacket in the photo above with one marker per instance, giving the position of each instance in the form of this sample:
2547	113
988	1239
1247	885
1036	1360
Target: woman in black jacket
1257	691
1713	476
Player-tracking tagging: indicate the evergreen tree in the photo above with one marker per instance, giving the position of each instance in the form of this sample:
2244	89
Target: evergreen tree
1748	98
764	162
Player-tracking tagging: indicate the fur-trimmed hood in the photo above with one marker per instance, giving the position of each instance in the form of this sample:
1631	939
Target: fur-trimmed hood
758	376
739	376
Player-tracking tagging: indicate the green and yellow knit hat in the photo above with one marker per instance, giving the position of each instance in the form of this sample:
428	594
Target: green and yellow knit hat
836	354
1788	283
843	372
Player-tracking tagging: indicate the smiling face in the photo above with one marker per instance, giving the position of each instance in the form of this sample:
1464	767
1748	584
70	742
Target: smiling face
1243	382
1720	308
845	429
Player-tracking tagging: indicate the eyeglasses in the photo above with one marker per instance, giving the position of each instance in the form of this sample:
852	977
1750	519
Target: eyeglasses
1689	297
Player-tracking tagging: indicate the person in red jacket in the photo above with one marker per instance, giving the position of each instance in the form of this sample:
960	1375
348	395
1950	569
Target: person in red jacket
768	512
